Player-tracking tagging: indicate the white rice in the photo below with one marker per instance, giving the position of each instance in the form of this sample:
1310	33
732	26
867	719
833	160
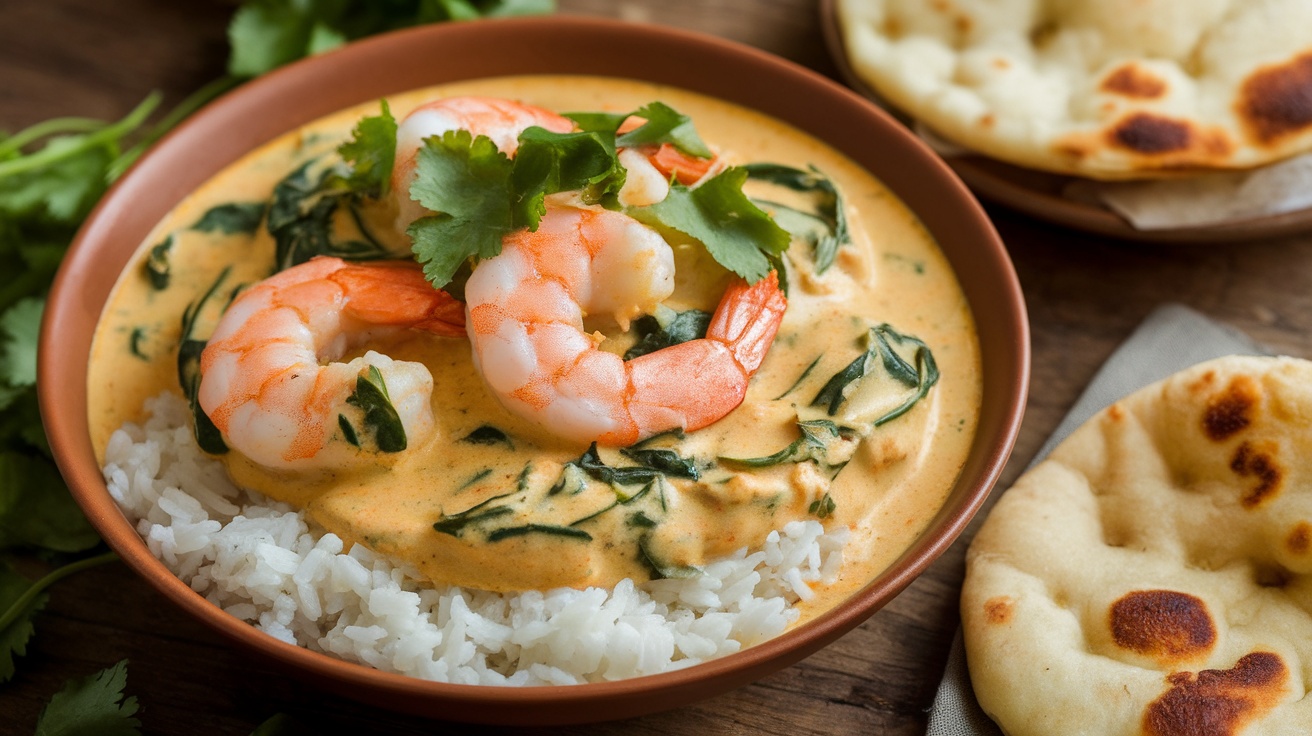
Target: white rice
258	560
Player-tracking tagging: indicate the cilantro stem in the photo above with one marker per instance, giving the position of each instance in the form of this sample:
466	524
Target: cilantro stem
104	136
45	128
52	577
190	104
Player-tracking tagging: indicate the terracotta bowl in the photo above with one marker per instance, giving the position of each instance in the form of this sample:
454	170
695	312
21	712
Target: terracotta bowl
261	110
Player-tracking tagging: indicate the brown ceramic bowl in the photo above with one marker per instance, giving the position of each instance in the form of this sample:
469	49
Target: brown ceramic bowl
269	106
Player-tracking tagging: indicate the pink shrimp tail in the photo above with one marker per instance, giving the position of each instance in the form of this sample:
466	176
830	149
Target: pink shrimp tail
737	340
748	319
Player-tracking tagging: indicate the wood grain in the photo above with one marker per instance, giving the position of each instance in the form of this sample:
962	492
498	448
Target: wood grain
1085	295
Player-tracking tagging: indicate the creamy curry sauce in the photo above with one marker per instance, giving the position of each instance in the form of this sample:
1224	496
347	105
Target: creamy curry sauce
897	477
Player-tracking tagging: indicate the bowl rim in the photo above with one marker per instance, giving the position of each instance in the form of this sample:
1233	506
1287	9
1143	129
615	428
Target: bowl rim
215	136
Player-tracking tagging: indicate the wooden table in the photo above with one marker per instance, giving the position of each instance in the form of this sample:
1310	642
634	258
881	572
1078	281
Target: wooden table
1085	294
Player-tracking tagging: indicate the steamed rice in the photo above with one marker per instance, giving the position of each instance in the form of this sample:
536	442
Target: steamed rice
260	561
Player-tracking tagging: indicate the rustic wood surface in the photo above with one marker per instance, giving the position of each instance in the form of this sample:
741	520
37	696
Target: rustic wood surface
1085	295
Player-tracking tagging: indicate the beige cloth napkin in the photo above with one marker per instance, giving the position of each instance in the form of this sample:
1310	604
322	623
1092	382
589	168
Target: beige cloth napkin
1171	339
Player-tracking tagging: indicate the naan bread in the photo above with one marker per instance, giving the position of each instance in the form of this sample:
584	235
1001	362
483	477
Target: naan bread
1109	89
1154	574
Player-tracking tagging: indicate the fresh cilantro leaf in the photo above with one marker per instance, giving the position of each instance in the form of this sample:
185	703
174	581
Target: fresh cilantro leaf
548	162
737	234
19	328
93	706
665	125
266	35
36	509
372	153
466	181
15	635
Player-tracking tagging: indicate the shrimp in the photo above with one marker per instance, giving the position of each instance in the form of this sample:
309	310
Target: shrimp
500	120
525	310
652	167
269	380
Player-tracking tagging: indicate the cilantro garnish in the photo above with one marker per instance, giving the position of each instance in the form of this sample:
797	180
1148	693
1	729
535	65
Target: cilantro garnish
479	195
371	153
465	181
662	124
94	705
716	213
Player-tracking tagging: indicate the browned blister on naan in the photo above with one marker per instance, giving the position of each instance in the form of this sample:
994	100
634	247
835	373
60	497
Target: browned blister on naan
1108	89
1154	574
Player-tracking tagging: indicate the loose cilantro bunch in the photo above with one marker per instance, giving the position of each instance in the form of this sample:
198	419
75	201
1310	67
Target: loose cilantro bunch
479	195
51	175
266	34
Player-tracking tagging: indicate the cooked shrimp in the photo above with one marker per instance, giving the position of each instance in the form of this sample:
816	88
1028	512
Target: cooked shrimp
500	120
269	380
525	324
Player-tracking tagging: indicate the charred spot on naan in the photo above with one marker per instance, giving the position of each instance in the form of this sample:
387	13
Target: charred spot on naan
1151	141
1149	134
1299	540
1276	101
998	610
1165	625
1132	80
1218	701
1231	411
1258	461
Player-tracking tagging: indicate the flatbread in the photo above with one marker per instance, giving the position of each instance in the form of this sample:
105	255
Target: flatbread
1108	89
1154	574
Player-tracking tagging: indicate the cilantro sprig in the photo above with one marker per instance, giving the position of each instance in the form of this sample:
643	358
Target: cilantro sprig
479	195
739	235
